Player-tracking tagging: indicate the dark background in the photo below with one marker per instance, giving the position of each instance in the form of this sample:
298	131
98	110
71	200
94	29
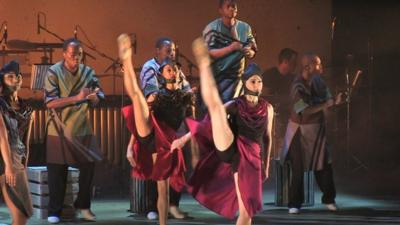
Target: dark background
369	31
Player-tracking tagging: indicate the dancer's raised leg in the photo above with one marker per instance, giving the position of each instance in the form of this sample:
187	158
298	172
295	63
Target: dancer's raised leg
222	134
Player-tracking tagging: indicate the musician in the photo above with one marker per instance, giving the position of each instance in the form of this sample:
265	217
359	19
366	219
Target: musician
276	88
151	84
149	75
70	87
305	144
230	41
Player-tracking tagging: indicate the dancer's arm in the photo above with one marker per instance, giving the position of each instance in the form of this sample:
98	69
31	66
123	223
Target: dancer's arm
129	152
222	134
270	139
140	107
6	154
180	142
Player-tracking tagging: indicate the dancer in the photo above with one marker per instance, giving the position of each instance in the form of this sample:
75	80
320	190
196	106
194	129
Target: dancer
229	175
15	124
155	130
151	82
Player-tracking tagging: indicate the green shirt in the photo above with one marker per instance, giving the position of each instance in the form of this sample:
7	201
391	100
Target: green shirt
217	36
60	83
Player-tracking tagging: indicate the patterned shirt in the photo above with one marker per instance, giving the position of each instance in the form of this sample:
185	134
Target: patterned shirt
60	83
308	93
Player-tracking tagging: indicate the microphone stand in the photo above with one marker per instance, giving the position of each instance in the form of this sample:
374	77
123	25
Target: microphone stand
1	41
4	34
59	38
349	90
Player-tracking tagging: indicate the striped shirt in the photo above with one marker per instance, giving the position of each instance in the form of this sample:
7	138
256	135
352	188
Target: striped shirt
61	83
149	78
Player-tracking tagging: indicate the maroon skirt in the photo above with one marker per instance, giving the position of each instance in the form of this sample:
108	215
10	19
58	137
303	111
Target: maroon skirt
212	182
167	164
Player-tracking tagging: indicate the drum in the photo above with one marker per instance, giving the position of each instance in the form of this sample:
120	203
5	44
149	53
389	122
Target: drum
282	185
143	196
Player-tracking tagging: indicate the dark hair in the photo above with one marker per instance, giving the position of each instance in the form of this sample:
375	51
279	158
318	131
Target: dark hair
286	53
70	41
163	41
12	66
167	61
221	2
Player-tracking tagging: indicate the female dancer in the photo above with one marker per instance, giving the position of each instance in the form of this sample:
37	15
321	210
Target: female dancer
229	174
156	129
15	124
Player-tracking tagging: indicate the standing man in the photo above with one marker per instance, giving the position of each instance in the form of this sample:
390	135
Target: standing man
151	83
305	144
277	81
229	41
70	87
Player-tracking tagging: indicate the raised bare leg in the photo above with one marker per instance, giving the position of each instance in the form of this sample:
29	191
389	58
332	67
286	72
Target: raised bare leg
222	134
141	109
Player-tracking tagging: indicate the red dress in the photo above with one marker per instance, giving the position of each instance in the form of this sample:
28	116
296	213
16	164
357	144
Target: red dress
167	165
212	182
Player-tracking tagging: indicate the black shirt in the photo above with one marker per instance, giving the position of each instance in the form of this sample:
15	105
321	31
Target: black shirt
276	89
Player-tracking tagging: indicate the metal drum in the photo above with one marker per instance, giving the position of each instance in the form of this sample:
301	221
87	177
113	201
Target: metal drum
143	196
282	174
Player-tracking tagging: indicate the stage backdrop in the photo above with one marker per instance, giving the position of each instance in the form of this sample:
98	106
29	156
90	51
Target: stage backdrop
304	25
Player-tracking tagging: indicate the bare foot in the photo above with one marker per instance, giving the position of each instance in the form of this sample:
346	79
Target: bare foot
176	213
200	52
124	47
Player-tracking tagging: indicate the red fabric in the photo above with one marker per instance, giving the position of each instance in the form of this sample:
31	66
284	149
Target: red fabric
212	182
254	117
167	165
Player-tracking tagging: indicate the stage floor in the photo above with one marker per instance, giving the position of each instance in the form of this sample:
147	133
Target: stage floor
353	210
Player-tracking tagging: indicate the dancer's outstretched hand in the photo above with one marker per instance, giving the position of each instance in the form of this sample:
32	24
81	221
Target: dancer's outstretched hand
177	144
124	47
200	52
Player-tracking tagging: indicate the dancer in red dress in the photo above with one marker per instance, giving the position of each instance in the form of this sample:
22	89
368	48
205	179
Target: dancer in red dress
155	129
229	174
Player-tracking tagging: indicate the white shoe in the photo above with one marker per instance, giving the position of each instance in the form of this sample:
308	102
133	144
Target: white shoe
294	210
331	207
86	214
53	219
152	215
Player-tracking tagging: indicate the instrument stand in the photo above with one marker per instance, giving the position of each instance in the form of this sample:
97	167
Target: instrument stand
350	156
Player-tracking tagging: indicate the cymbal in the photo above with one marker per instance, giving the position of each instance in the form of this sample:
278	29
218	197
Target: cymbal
26	45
